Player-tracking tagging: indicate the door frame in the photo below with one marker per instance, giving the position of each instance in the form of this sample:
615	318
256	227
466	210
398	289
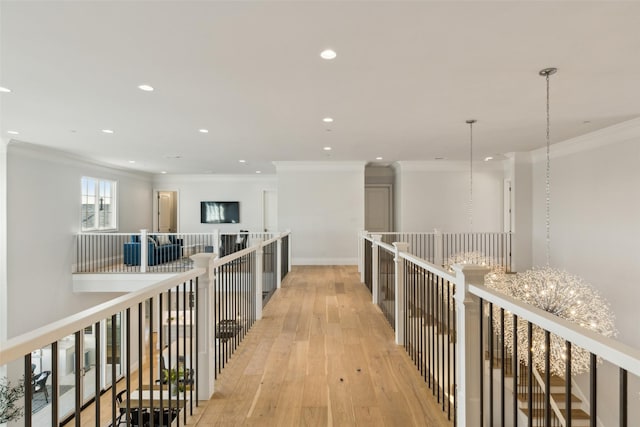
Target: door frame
156	208
264	198
391	201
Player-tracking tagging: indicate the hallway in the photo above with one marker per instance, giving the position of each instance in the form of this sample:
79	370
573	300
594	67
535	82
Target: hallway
323	355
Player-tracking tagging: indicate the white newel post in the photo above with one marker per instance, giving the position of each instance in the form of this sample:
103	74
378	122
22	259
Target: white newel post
399	289
144	251
206	325
375	280
279	263
259	274
468	355
361	243
288	230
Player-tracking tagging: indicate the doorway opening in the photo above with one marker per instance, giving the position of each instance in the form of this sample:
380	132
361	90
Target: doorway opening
167	211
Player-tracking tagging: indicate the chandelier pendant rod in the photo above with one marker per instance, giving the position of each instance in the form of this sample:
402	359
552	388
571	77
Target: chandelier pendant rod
546	73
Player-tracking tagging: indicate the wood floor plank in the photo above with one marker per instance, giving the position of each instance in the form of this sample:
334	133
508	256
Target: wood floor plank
322	355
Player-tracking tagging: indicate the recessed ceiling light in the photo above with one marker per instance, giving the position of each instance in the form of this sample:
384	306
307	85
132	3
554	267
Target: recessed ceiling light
586	122
378	158
13	132
203	130
107	131
440	158
146	88
327	148
4	89
328	54
163	172
328	120
258	171
486	159
242	161
132	161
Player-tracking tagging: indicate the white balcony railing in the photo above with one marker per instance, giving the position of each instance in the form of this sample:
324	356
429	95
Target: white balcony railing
162	347
445	321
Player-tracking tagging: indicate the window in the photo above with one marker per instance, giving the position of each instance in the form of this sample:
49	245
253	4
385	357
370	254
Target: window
98	204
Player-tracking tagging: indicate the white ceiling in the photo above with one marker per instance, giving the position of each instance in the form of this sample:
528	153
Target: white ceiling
407	76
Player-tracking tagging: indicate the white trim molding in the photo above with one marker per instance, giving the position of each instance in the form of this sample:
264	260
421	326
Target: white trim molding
320	166
621	132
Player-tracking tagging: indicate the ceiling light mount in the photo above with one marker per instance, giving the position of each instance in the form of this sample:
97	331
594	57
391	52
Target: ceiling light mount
548	71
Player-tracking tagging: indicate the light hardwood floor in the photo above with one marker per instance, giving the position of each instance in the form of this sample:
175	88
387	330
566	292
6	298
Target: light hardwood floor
323	355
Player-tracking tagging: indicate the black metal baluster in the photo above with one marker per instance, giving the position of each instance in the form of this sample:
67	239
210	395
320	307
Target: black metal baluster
161	346
55	391
491	356
567	390
547	379
78	378
593	387
530	373
140	354
515	363
195	317
623	397
481	334
502	368
448	335
28	391
128	362
184	349
151	405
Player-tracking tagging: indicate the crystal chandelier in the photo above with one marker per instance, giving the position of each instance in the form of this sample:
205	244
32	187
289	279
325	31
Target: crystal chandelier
556	292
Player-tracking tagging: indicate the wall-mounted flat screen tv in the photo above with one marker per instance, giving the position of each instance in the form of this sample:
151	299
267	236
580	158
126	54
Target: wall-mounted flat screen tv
219	212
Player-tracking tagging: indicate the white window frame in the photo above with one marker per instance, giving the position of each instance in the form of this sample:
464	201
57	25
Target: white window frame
97	196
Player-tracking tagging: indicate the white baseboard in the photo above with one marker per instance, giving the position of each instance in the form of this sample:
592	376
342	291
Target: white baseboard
324	261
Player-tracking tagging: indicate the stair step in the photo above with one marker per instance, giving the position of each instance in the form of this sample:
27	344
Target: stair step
576	414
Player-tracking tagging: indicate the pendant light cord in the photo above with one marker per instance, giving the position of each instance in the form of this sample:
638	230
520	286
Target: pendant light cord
470	122
471	176
548	181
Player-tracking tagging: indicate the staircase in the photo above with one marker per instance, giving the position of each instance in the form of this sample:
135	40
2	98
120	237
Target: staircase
558	399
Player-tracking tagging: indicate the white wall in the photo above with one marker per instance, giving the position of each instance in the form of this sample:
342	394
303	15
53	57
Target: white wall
518	170
3	242
436	195
595	233
43	198
322	204
193	189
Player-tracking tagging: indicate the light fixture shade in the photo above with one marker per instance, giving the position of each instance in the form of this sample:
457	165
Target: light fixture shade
564	295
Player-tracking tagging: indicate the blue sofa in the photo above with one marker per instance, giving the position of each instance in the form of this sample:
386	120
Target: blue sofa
156	253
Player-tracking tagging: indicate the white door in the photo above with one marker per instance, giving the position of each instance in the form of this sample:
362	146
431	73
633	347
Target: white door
270	210
378	208
167	212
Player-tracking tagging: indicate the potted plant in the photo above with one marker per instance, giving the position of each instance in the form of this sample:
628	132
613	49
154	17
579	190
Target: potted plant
173	377
9	396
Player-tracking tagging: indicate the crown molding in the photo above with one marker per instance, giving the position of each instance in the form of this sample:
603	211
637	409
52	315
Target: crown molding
183	178
447	166
615	134
320	166
63	157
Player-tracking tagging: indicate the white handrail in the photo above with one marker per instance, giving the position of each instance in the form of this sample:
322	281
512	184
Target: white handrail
385	246
20	345
620	354
432	268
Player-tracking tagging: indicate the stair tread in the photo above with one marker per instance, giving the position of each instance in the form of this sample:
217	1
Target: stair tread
557	397
576	414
